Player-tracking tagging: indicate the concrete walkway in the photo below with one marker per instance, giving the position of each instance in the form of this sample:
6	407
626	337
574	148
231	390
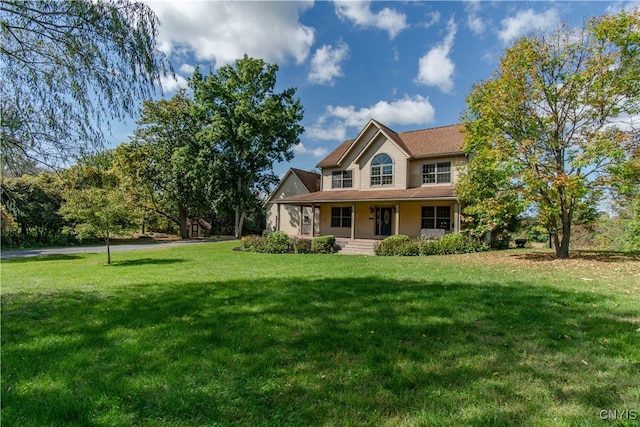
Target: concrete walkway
20	253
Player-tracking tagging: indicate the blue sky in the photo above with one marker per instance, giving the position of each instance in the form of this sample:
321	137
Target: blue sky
408	64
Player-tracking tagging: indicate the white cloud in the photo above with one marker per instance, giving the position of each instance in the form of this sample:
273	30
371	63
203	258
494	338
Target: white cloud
187	69
526	21
326	63
434	18
316	152
435	68
171	84
334	123
224	31
619	6
474	22
359	12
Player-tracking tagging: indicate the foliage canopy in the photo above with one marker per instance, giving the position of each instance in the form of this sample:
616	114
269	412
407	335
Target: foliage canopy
68	69
249	126
549	128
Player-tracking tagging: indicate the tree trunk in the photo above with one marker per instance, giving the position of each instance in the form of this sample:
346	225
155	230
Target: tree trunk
108	249
562	247
240	216
239	220
184	230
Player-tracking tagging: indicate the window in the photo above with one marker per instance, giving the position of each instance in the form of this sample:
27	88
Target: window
342	179
436	173
341	217
382	170
436	217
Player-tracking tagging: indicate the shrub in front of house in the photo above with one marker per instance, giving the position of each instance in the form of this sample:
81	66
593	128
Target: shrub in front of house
253	243
278	243
449	244
302	246
393	245
454	243
323	244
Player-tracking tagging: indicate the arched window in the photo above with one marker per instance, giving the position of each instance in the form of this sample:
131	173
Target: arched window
382	170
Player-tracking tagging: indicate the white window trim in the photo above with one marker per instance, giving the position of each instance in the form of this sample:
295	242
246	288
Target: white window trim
341	179
382	175
435	173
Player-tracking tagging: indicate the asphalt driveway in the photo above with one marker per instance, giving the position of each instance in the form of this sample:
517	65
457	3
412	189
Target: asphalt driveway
19	253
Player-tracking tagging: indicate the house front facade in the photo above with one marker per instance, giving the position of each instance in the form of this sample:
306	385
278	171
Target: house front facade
375	185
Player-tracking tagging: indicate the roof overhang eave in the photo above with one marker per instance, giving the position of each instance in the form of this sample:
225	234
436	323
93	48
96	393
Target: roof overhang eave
439	155
367	200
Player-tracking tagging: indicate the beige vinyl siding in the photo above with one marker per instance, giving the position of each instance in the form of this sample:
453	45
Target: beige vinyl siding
410	215
325	184
290	217
383	145
415	169
347	163
365	221
327	174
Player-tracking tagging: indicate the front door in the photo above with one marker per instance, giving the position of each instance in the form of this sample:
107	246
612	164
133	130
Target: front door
383	221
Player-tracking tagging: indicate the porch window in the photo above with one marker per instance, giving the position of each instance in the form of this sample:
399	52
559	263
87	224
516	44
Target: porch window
341	217
436	173
436	217
342	179
382	170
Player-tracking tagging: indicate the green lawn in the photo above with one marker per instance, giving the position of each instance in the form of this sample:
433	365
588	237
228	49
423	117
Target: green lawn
203	335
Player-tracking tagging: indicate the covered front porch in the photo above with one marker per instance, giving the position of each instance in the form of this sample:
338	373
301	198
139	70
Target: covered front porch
371	219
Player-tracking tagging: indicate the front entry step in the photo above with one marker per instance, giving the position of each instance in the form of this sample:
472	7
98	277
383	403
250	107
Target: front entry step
358	247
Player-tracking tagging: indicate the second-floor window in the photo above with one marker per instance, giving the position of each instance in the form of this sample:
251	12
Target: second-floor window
342	179
436	173
382	170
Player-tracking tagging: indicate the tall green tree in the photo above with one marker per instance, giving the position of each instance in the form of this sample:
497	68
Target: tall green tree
68	69
34	202
250	126
95	202
492	207
552	115
625	195
163	161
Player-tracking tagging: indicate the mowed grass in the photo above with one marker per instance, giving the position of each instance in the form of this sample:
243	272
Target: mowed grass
202	336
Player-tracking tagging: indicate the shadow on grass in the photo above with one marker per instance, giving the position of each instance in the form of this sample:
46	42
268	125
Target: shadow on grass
316	352
583	255
146	261
35	257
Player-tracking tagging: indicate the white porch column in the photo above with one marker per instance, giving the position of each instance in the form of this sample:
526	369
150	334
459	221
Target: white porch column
353	221
397	227
300	220
313	221
278	217
456	217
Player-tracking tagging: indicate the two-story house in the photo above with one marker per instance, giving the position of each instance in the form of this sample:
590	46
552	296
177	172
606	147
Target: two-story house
378	184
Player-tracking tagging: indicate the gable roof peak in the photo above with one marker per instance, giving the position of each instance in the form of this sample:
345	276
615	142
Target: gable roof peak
439	140
310	180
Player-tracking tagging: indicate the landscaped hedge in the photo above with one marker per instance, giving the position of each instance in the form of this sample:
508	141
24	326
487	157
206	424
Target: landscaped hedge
281	243
323	244
455	243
